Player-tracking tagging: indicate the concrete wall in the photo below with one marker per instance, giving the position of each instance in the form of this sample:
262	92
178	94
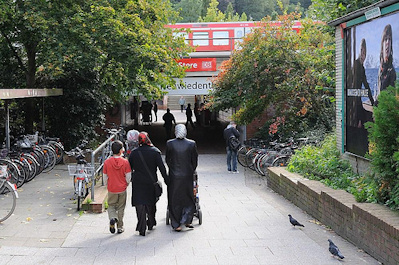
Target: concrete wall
372	227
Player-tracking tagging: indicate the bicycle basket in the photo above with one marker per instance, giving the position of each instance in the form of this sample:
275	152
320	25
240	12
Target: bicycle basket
33	138
74	169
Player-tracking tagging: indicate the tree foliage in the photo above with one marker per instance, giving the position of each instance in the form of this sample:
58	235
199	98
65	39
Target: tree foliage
282	74
384	146
118	48
327	10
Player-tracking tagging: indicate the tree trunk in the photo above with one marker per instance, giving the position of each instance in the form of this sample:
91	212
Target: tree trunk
30	108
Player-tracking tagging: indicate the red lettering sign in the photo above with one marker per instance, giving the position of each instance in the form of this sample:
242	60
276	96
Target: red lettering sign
198	64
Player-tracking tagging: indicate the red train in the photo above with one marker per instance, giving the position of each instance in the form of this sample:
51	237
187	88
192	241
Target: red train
218	36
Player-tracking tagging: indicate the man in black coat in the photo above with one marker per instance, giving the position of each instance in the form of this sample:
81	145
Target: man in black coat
231	131
182	160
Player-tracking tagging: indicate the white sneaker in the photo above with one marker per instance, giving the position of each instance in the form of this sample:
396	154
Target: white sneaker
235	172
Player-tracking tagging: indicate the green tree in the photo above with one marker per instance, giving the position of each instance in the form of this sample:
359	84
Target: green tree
189	10
120	48
213	14
255	9
282	74
327	10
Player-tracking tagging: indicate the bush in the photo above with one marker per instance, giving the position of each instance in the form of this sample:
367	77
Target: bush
323	163
384	142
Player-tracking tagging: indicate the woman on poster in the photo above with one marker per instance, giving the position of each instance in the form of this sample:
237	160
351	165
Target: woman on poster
386	72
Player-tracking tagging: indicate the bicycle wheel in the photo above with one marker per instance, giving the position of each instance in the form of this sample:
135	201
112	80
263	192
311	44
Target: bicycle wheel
267	161
22	172
250	157
59	150
34	166
39	156
281	161
259	166
12	170
241	155
50	158
8	200
257	159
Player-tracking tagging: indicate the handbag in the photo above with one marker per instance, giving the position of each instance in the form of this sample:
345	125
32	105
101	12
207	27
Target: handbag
157	184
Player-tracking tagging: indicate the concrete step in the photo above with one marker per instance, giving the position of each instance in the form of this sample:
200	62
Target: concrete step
100	198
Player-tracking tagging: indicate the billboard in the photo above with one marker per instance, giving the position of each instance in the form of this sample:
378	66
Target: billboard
371	65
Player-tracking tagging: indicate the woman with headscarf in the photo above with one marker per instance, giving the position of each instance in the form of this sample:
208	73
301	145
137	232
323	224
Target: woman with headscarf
182	160
132	140
144	161
386	72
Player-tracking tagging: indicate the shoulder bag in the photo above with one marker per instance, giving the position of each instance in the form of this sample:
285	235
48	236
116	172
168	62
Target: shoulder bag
157	184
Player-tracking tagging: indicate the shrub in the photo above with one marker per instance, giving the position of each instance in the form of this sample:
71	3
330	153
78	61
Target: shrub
324	163
384	139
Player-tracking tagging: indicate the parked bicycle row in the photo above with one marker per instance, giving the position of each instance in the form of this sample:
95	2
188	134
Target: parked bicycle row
29	156
258	155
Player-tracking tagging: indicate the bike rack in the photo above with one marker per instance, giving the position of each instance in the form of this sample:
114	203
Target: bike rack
95	171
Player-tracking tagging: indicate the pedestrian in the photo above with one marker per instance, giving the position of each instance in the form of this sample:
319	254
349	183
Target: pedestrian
132	137
182	101
169	120
182	159
144	161
197	114
116	173
155	109
231	131
189	115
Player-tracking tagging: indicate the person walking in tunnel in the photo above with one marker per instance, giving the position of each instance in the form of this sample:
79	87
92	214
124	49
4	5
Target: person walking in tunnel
182	101
155	109
144	161
169	120
229	132
189	115
182	159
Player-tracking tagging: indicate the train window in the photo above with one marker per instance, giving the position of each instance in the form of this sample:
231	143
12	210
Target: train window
201	38
220	38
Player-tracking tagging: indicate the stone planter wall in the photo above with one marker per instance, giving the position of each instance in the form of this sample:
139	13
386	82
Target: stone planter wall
372	227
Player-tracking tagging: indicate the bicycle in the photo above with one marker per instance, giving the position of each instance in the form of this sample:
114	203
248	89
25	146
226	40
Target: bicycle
8	195
81	173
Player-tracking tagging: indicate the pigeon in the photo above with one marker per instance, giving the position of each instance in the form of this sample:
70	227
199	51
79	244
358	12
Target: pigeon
335	250
294	222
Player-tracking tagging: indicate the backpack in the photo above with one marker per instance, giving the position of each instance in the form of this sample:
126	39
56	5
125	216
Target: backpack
234	143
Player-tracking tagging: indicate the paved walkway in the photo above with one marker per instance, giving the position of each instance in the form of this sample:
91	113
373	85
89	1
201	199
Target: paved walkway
243	223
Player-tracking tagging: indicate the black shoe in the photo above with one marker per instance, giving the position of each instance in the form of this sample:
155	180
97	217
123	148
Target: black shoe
121	230
112	225
189	226
142	233
150	227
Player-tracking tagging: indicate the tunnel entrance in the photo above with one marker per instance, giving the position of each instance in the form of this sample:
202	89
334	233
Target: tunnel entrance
209	138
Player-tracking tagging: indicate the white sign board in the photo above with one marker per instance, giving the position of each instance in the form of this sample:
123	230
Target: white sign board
373	13
191	86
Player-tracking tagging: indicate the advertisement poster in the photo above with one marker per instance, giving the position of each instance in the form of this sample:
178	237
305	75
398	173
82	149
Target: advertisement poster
372	64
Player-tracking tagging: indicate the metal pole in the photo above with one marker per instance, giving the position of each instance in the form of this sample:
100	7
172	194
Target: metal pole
93	154
7	109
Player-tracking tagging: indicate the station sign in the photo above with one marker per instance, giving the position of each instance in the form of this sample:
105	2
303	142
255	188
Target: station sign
198	64
191	86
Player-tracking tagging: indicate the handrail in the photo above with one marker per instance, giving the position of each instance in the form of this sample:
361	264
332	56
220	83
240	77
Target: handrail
93	154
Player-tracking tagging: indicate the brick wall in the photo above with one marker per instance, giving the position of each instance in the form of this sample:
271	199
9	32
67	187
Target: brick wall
372	227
